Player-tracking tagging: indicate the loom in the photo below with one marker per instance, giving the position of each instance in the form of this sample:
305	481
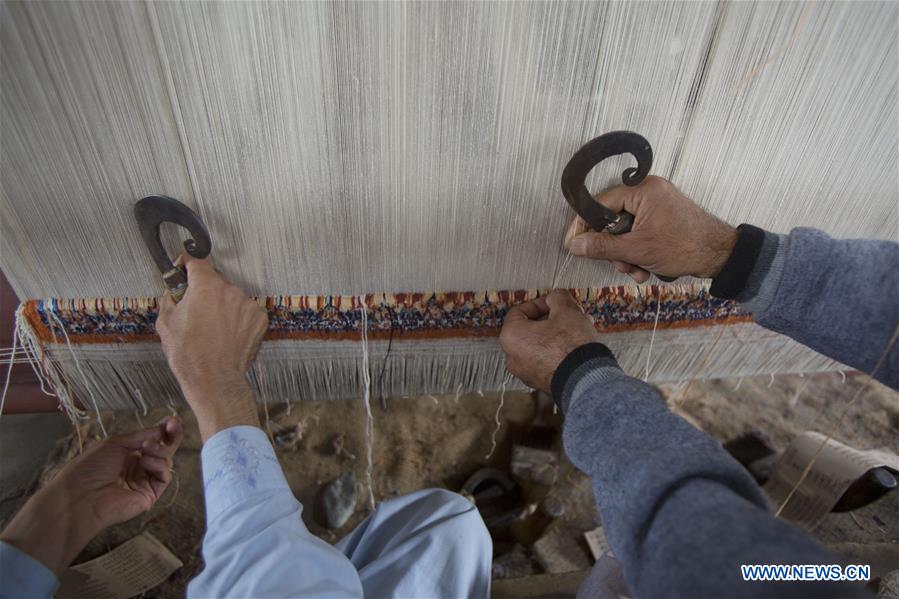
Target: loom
384	177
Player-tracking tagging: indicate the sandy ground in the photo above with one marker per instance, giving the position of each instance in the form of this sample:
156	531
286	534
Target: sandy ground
859	412
438	441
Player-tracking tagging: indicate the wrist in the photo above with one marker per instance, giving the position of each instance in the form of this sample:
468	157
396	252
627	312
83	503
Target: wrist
732	278
720	246
222	405
197	386
581	359
53	527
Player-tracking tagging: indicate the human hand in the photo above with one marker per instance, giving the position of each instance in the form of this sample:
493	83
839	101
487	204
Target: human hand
672	236
537	335
113	481
210	339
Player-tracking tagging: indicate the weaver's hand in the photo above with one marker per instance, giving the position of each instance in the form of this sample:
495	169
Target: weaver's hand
537	335
210	339
113	481
671	236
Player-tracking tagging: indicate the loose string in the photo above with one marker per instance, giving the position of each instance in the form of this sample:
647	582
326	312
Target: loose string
13	355
795	399
366	401
499	408
41	371
140	398
15	344
652	338
87	385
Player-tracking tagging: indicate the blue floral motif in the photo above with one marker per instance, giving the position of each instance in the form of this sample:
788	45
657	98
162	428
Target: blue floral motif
238	462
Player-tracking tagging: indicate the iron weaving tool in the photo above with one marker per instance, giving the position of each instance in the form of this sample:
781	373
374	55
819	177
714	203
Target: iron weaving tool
584	160
150	213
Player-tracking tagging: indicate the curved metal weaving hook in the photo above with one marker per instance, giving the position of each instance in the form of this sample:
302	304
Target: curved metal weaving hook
584	160
151	212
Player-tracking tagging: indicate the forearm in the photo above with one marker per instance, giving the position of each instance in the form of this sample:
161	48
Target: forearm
52	527
679	513
838	297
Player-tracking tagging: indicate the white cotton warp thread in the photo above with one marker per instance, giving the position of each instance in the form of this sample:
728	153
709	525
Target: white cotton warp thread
330	370
436	139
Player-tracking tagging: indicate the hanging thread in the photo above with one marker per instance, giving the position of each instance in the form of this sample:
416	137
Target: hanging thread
499	408
15	344
366	401
652	338
87	384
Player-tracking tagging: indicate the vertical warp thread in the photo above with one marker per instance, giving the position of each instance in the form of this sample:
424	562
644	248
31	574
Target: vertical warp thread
137	415
261	377
366	400
135	78
652	339
557	276
705	358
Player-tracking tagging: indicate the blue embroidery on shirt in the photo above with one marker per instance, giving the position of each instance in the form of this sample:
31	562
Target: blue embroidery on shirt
239	462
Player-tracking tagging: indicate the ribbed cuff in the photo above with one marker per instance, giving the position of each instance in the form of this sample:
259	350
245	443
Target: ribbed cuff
764	280
755	288
735	274
589	357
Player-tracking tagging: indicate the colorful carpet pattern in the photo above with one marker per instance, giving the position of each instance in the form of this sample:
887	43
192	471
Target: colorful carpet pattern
406	315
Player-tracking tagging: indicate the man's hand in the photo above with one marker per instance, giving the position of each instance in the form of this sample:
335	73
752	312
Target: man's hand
110	483
537	335
210	339
671	236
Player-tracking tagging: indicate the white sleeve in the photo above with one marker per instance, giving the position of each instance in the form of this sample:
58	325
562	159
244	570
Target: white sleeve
256	544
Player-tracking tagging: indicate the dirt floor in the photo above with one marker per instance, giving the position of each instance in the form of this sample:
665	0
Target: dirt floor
439	441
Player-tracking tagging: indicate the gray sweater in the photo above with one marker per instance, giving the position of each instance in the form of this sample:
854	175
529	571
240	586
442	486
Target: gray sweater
679	513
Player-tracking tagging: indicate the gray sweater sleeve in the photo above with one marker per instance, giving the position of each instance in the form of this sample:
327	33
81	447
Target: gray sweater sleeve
679	513
839	297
